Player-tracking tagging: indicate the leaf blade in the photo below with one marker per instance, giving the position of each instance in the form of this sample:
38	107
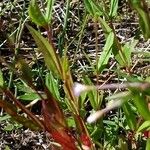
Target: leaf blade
103	60
51	59
36	15
1	79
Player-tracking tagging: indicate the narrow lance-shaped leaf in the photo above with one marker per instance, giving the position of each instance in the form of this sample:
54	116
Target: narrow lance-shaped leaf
93	8
81	101
65	139
24	69
89	7
130	116
65	65
113	8
52	59
145	125
1	79
103	60
52	85
29	97
49	8
128	48
116	47
24	109
52	112
147	144
36	15
119	53
55	122
142	105
106	28
5	117
12	111
94	100
144	16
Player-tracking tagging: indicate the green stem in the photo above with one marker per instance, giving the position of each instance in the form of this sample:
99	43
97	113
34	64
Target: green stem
96	47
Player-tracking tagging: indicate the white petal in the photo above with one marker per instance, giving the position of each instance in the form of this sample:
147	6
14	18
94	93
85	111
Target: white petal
114	104
93	117
85	147
78	88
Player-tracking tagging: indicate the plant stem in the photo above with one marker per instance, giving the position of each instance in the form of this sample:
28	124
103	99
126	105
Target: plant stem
96	48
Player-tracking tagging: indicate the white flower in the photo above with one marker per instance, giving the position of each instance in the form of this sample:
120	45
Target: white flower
78	88
110	105
93	117
84	147
114	104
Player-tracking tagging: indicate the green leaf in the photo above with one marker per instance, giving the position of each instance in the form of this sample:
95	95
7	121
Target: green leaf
130	116
25	71
103	60
97	130
36	15
144	21
106	28
147	79
12	111
128	48
88	6
93	8
7	147
113	8
144	53
1	79
9	127
127	53
147	144
116	47
65	64
71	122
51	58
122	144
49	8
52	85
144	126
119	53
94	98
29	97
141	104
82	99
121	95
24	88
144	17
5	117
